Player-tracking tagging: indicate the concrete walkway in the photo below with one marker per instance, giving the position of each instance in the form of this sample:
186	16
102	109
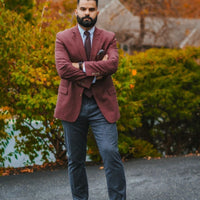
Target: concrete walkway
175	178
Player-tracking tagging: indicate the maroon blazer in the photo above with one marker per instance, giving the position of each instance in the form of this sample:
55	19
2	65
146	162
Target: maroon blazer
69	48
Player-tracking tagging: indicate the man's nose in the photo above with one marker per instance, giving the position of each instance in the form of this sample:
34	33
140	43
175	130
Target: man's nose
87	12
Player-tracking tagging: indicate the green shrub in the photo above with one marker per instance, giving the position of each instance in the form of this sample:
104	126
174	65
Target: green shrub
24	7
168	85
130	147
30	83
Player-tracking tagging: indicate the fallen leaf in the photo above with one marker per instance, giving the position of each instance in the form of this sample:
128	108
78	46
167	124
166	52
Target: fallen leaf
101	168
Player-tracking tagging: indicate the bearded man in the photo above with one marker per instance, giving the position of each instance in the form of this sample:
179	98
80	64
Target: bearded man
86	57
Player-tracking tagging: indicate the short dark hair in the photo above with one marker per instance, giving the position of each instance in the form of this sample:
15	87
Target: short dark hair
89	0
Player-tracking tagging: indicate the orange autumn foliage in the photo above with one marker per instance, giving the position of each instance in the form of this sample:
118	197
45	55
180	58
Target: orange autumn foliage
167	8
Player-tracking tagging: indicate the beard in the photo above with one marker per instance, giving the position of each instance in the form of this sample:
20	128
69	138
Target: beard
86	23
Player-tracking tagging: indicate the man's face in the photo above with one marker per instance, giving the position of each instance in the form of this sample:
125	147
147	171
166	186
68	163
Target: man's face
87	13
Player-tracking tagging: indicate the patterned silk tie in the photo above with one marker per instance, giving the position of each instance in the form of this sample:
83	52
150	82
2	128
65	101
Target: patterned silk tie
87	44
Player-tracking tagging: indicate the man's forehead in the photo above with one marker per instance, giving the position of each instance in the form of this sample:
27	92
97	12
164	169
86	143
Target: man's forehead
87	3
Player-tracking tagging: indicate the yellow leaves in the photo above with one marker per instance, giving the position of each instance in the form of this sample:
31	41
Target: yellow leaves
5	113
14	171
144	12
5	108
148	157
46	6
37	76
24	116
60	12
32	80
48	84
27	170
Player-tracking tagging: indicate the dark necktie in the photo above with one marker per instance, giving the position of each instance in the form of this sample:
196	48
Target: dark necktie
87	92
87	44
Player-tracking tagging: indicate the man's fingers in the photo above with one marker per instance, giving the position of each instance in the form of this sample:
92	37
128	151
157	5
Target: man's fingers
99	77
105	57
76	65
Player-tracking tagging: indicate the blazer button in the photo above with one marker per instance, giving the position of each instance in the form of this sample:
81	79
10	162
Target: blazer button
80	95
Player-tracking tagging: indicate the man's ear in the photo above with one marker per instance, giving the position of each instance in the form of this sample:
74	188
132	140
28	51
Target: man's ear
76	12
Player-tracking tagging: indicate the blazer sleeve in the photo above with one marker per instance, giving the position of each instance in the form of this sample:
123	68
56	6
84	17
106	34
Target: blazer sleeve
64	65
105	68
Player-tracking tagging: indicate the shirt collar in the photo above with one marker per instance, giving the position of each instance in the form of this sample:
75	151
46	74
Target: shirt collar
91	31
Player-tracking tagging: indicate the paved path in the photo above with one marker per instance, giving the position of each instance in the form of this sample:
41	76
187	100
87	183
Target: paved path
164	179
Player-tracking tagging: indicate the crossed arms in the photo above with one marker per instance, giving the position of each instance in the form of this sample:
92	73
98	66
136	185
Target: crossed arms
105	58
67	69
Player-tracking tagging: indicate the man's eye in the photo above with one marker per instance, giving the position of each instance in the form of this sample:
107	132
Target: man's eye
92	9
82	9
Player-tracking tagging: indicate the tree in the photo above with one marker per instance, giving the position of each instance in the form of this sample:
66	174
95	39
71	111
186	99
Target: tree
155	18
183	8
144	9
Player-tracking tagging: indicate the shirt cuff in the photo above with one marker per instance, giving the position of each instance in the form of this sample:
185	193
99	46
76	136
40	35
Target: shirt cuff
84	67
94	80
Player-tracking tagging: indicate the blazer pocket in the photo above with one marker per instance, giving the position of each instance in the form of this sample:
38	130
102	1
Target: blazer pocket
63	90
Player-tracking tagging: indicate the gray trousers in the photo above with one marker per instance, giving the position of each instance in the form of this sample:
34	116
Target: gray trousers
106	136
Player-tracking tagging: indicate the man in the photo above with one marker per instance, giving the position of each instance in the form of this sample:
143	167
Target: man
86	57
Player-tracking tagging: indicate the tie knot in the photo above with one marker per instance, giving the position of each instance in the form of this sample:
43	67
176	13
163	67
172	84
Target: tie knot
87	33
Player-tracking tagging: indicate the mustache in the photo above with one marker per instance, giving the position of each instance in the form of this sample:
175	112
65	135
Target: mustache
87	17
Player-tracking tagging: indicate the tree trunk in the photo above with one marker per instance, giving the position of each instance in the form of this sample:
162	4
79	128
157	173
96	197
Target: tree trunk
140	40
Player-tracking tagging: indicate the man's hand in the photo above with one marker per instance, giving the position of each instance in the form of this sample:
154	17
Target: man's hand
76	65
99	77
105	57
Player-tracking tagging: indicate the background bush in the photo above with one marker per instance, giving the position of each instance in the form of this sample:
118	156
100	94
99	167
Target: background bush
23	7
29	82
168	85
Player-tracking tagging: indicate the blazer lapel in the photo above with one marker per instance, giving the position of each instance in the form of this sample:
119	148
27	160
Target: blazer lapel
96	44
79	43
